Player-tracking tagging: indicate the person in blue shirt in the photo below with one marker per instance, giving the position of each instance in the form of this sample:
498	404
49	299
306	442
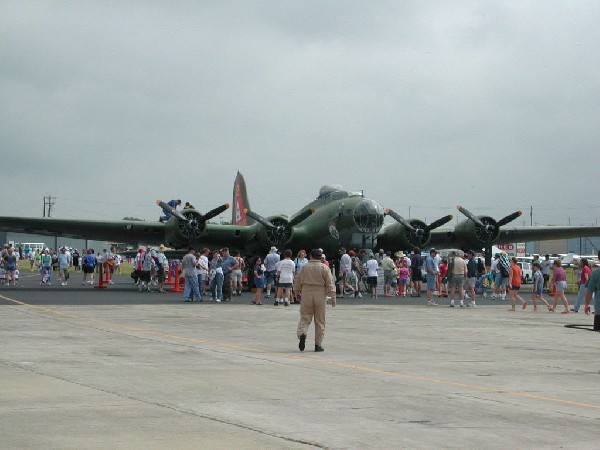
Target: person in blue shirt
173	204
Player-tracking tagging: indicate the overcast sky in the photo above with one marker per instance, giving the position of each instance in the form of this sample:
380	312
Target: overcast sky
111	105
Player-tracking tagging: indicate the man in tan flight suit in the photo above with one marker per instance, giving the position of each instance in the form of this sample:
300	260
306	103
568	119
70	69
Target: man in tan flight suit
315	283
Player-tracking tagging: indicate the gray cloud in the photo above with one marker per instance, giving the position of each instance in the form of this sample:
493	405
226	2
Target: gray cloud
109	106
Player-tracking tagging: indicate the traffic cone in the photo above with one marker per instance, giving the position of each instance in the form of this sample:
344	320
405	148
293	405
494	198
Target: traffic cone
176	288
100	284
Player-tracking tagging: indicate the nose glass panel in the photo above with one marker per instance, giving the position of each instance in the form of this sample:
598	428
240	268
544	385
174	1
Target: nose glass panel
368	216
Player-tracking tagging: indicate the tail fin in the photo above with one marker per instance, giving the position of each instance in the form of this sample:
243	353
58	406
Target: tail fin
240	202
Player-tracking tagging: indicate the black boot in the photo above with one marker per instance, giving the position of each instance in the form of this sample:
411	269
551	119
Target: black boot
318	348
302	342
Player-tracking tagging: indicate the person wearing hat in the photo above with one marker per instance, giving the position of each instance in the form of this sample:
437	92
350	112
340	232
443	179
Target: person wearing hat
270	263
314	283
431	274
162	266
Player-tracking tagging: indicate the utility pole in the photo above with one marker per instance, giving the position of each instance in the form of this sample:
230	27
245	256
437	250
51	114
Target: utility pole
49	200
531	215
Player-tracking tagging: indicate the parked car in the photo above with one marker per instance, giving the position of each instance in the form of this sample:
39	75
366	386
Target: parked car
526	273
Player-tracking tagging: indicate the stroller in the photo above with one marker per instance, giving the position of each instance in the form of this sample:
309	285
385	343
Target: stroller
46	275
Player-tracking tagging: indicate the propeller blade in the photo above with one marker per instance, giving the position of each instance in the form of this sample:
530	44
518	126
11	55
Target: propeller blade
215	212
260	219
470	216
509	218
398	218
438	223
169	209
301	217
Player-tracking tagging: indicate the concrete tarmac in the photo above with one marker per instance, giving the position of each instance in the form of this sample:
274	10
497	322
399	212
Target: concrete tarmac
114	368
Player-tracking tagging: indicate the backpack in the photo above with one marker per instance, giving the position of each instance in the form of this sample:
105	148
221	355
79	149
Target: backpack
503	267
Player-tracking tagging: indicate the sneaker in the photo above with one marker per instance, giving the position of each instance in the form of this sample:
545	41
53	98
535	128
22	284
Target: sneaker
431	303
286	303
462	304
218	300
359	295
63	284
302	343
276	303
472	304
451	303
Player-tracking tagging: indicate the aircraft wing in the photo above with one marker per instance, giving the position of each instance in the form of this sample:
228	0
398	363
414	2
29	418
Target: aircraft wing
453	239
112	231
133	231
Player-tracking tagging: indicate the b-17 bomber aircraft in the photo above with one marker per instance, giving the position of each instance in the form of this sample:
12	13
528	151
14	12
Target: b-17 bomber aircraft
336	218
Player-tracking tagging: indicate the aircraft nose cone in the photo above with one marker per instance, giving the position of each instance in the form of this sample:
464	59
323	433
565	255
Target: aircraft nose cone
368	216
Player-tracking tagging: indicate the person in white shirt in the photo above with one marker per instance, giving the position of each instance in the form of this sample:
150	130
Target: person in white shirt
285	275
372	266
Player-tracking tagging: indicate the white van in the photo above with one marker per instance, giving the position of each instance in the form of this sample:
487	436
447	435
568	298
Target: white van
526	272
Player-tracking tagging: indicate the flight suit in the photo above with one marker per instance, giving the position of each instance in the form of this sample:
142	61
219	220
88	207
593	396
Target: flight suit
315	283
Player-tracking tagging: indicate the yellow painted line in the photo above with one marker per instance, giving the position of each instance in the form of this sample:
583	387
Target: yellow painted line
337	364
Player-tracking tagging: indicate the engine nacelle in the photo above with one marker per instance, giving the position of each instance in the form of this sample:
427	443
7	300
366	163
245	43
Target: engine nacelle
472	235
180	233
396	236
275	236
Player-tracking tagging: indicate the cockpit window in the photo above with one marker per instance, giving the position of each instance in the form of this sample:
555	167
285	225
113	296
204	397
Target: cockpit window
368	216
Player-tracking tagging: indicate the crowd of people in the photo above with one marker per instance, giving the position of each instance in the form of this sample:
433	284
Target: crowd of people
47	261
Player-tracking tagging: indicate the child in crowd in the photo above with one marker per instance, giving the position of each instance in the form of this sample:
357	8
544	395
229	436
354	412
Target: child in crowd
404	278
2	276
538	284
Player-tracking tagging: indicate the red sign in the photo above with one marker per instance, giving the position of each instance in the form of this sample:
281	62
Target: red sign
506	247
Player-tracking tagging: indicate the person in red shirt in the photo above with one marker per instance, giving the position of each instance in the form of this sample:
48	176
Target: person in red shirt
442	280
514	284
585	272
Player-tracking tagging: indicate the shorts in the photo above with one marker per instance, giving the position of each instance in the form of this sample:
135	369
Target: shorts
470	283
372	282
561	286
270	276
284	285
404	281
388	276
160	277
537	291
514	288
415	273
236	276
456	281
431	281
259	282
88	269
500	281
